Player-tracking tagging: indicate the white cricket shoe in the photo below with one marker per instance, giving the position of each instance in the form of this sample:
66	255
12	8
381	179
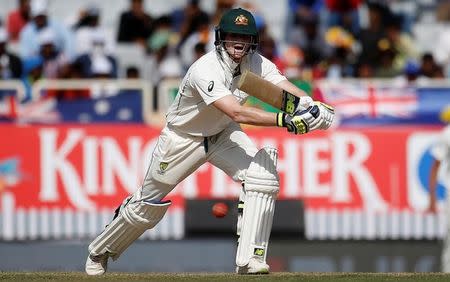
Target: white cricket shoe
96	265
254	266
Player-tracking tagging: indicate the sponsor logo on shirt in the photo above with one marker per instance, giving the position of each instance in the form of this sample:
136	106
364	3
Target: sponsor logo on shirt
210	86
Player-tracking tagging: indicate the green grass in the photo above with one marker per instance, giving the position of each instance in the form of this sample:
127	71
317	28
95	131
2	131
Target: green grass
225	277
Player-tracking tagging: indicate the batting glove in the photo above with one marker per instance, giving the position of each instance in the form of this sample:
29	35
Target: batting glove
304	103
326	116
300	122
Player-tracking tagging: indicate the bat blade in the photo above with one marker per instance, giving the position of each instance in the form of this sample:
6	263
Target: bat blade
262	89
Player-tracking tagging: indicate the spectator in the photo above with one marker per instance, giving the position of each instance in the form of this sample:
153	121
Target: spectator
267	47
87	27
55	63
412	71
385	67
32	71
430	68
135	25
89	17
340	63
401	42
29	36
101	67
311	39
370	36
163	23
204	34
441	48
10	64
187	20
132	72
411	75
410	11
17	19
199	50
344	13
73	72
10	68
299	10
162	61
291	62
305	9
97	61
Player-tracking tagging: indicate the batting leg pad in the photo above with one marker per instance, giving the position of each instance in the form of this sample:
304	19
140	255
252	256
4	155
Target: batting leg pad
131	222
240	211
261	185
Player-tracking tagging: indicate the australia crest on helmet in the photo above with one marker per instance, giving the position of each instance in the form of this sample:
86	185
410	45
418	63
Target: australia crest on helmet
241	20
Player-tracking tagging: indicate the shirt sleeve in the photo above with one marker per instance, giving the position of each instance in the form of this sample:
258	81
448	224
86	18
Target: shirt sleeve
209	85
270	72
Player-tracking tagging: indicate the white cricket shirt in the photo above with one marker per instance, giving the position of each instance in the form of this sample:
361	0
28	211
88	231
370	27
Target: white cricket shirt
207	80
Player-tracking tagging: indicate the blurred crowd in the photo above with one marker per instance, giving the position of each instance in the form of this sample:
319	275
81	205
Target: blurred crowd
322	39
364	39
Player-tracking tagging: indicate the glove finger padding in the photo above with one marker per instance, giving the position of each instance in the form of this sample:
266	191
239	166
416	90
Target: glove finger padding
314	119
326	116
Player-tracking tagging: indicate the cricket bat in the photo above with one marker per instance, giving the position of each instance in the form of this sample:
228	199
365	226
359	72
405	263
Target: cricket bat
268	92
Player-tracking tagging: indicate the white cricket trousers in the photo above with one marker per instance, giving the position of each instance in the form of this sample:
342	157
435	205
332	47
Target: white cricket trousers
177	155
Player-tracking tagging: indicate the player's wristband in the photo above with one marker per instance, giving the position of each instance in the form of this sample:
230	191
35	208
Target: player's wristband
281	120
290	102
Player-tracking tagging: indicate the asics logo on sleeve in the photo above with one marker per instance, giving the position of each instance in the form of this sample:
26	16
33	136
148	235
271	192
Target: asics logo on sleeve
210	86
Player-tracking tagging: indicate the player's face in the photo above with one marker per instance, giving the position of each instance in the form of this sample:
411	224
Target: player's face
237	45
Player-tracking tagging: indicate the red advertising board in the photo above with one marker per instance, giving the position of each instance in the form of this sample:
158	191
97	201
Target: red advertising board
90	169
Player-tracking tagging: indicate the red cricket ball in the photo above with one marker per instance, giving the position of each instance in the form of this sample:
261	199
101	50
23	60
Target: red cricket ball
220	209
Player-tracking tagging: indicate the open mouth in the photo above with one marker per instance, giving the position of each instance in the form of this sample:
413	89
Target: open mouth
239	47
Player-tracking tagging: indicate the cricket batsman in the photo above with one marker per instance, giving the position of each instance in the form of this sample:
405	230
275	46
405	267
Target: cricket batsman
441	164
203	125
